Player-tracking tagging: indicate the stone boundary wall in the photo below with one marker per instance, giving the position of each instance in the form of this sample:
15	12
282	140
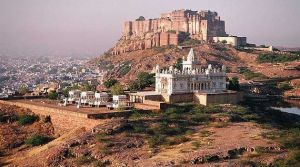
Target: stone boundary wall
62	120
157	98
205	99
222	98
179	98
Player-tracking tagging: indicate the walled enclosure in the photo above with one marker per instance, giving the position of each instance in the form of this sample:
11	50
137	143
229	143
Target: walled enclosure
62	120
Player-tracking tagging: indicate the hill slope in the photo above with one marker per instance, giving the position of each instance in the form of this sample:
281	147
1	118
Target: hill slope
125	67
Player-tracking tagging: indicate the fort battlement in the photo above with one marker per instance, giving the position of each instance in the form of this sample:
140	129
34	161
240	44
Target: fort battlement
169	29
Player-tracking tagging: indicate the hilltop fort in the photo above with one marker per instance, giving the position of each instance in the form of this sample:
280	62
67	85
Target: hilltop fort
170	29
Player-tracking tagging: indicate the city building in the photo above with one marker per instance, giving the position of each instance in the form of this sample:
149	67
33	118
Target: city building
231	40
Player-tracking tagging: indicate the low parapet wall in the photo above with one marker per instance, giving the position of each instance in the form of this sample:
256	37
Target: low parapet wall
221	98
62	120
230	97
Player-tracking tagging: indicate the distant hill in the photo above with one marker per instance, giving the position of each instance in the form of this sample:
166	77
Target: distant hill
126	66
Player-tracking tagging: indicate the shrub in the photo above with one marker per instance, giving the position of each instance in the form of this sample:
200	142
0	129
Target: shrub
84	160
205	133
284	86
109	83
213	109
139	127
23	89
125	69
177	140
37	140
178	64
101	137
27	119
143	80
117	89
53	95
156	140
224	42
276	58
47	119
250	74
2	117
234	84
233	154
196	145
221	124
99	164
201	117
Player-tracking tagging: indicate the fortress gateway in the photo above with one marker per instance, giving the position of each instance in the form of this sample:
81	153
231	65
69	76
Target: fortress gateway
192	83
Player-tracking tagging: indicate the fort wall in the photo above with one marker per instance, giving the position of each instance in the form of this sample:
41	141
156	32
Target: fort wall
143	34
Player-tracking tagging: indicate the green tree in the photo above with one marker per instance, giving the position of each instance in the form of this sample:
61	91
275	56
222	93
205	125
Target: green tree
110	82
23	89
234	84
134	86
178	64
145	79
89	87
53	95
117	89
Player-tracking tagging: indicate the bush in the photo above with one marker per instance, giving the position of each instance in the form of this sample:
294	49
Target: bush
23	89
156	140
101	137
234	84
27	119
201	117
196	145
99	164
125	69
53	95
213	109
284	86
83	160
276	58
117	89
224	42
177	140
109	83
143	80
47	119
250	74
37	140
178	64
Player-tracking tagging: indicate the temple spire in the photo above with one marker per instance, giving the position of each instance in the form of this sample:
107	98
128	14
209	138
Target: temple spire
191	55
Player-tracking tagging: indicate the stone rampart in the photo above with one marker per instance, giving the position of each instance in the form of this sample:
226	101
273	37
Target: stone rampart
166	30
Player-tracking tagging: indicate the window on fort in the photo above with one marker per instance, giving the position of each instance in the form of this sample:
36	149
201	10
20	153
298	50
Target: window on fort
181	85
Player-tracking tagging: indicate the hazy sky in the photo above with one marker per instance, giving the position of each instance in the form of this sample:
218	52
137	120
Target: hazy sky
89	27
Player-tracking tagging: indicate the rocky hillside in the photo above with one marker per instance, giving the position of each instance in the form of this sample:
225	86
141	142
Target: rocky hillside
20	129
182	136
243	64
